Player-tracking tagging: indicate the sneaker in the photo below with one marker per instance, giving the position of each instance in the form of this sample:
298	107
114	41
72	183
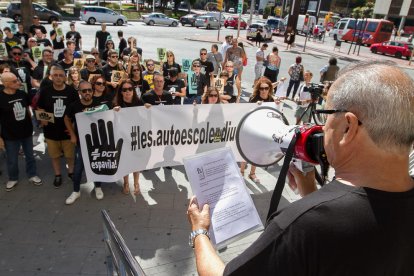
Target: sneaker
99	194
35	180
10	185
73	196
58	181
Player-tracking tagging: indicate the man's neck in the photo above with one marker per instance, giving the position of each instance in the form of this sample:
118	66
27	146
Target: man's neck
59	87
112	64
84	102
158	92
9	91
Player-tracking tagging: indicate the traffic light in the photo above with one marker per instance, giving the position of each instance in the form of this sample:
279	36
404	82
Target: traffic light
220	5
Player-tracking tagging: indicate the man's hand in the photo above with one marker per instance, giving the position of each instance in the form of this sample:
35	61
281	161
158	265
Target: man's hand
2	144
302	182
198	219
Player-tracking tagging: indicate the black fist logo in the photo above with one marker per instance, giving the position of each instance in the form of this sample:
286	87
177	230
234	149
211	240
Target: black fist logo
103	153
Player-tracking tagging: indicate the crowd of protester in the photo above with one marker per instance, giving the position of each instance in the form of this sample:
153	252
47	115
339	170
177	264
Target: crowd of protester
64	79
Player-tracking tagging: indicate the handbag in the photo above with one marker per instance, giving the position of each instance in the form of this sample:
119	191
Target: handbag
244	61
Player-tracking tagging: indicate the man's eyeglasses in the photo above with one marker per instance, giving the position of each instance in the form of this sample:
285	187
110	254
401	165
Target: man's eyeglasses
203	54
86	90
114	56
16	54
136	70
321	115
196	65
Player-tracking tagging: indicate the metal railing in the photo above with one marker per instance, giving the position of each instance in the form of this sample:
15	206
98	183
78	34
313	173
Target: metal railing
120	261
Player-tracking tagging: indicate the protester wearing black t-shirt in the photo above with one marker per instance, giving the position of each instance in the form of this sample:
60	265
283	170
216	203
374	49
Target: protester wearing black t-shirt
90	68
158	96
22	67
41	39
100	95
122	42
37	26
126	97
170	64
67	61
107	71
175	86
40	72
10	39
16	130
55	99
75	36
141	85
207	67
57	41
132	45
20	34
197	84
101	37
85	103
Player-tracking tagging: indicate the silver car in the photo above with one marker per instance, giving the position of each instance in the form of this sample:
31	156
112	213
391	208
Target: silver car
160	19
93	14
255	27
207	22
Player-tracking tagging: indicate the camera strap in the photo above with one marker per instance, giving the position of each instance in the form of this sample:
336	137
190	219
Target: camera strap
280	184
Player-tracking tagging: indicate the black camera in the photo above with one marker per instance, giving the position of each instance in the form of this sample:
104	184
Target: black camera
316	90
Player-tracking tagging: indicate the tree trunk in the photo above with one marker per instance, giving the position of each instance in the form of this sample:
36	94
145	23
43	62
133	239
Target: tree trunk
52	5
27	10
176	5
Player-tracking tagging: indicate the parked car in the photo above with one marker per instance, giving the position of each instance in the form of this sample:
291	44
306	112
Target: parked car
217	16
277	25
207	21
188	19
231	10
44	14
93	14
159	19
233	21
253	28
398	49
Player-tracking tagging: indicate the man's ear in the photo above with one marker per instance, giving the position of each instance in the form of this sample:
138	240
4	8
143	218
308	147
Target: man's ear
351	128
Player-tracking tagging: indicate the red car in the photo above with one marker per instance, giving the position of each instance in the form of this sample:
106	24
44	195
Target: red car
394	48
232	21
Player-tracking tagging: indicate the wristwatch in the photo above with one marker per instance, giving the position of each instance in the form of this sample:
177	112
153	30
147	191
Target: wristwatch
194	234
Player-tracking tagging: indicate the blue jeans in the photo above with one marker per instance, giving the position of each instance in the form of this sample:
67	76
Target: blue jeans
12	152
190	99
78	170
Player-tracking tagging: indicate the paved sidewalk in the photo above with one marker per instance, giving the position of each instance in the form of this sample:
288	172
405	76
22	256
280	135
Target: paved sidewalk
40	235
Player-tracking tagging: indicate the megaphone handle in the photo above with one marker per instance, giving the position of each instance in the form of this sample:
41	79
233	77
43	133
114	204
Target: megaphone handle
280	184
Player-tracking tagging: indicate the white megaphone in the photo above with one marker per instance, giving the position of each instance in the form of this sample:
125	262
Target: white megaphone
263	137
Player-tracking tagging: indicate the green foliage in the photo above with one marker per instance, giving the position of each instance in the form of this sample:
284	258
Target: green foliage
365	11
266	12
113	6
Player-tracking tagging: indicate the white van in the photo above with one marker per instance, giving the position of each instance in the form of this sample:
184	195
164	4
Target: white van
342	27
301	28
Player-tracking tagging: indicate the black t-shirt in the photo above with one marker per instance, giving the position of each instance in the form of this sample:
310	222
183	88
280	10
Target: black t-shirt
56	102
33	28
206	67
338	230
10	42
229	88
107	73
127	51
154	99
178	84
141	87
166	66
65	65
74	36
102	37
22	70
122	45
45	42
15	120
57	44
200	81
78	107
103	99
85	73
23	38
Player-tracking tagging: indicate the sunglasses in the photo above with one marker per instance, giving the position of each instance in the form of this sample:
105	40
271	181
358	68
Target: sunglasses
136	70
203	54
99	83
126	89
114	56
59	75
196	65
264	88
170	56
90	60
150	64
95	53
86	90
213	95
16	54
230	66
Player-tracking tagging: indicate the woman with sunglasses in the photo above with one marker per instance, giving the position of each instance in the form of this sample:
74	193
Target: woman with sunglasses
170	64
212	96
74	77
100	96
262	92
109	45
141	85
232	88
126	97
134	59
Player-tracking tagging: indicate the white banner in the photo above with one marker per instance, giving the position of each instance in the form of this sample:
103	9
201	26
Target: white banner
115	144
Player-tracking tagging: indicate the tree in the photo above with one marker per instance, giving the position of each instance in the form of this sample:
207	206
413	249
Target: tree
190	4
27	10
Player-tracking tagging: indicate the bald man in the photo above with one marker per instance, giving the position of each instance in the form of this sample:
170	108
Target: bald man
16	130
